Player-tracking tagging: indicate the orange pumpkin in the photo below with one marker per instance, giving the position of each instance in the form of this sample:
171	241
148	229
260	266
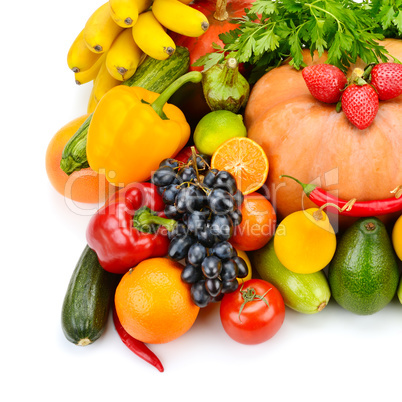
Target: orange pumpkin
309	140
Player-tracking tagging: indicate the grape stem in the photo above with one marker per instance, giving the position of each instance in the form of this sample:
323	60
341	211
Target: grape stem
194	155
193	162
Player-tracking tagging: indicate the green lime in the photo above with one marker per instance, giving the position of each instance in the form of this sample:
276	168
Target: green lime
217	127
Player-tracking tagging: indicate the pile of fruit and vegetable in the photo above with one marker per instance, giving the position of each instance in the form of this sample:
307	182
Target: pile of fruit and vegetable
245	153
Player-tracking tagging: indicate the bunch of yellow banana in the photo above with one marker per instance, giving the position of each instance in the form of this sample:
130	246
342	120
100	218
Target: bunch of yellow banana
121	33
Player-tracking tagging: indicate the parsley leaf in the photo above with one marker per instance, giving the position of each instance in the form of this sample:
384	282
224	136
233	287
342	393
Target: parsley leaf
273	31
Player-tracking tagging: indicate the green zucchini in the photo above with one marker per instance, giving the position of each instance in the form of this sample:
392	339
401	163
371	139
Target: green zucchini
157	75
74	156
154	75
305	293
88	300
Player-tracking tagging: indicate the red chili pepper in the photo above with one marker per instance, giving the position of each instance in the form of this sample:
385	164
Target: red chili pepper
352	207
136	346
127	229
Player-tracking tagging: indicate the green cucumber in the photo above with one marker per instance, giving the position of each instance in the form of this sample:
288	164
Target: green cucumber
88	300
305	293
154	75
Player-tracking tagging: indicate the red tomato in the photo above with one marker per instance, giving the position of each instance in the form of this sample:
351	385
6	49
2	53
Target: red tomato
253	313
258	223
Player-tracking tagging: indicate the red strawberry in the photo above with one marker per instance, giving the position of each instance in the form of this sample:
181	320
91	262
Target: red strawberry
360	104
386	78
325	82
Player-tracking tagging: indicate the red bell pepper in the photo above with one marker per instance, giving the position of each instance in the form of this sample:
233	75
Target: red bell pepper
128	228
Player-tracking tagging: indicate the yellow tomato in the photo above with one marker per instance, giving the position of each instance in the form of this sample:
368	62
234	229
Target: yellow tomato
397	237
305	242
242	254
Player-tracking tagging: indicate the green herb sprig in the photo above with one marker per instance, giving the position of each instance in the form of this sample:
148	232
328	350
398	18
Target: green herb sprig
273	31
388	14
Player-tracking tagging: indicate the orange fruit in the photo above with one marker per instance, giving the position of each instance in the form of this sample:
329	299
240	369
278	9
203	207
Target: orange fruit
84	185
245	160
153	303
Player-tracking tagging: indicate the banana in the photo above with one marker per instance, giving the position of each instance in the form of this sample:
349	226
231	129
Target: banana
143	5
92	102
79	57
151	38
124	12
124	56
180	18
100	30
82	77
103	82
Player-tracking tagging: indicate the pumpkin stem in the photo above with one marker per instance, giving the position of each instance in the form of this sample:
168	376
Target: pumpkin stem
220	12
397	191
318	216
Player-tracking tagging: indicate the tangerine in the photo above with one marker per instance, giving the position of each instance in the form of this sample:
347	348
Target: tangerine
245	160
153	303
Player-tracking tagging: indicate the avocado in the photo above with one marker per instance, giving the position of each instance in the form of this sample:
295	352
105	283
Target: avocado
363	274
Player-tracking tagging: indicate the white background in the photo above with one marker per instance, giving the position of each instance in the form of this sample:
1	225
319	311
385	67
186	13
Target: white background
333	355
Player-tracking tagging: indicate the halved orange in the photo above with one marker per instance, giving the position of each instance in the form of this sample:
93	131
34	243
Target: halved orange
245	160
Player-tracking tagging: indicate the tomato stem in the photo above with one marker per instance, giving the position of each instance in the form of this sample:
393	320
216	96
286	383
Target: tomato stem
250	295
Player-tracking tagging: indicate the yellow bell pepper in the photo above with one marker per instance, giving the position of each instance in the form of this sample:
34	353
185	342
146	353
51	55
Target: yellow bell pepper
133	130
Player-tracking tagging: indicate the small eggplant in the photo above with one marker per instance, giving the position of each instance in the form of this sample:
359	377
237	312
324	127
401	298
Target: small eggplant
224	87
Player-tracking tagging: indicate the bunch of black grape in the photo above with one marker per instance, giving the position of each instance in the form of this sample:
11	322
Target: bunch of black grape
205	202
